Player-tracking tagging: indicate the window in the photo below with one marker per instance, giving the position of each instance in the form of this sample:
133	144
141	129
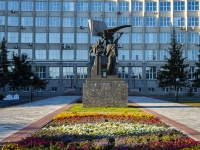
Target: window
123	54
82	37
81	54
123	21
26	89
2	35
68	55
41	71
110	6
2	20
68	22
27	21
137	55
137	6
68	37
151	89
82	6
41	6
110	22
124	38
165	21
180	37
165	38
150	54
54	72
82	21
166	90
54	21
11	89
96	18
179	22
27	52
67	71
13	5
12	37
2	5
54	89
93	39
96	6
193	38
40	90
151	6
137	22
137	37
11	52
40	54
123	6
151	37
54	54
68	6
137	71
193	54
179	6
81	72
192	70
193	5
151	72
26	6
54	37
150	22
40	37
193	21
13	21
41	21
164	54
54	6
123	72
165	6
26	37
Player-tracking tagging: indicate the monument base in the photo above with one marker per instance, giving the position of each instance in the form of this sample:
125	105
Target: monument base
105	92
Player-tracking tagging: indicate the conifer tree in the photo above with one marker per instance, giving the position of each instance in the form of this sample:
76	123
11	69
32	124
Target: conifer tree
174	67
196	81
4	63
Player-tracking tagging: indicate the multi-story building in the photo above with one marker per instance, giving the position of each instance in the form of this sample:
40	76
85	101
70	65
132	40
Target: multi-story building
56	37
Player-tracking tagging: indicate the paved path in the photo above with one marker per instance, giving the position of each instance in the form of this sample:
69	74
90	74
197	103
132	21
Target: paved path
13	119
183	117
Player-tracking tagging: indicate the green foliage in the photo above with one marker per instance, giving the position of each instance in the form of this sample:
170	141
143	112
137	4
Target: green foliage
21	73
80	108
4	63
196	81
174	66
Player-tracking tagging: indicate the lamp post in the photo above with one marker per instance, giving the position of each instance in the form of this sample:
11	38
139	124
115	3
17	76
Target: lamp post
31	78
177	81
71	77
133	76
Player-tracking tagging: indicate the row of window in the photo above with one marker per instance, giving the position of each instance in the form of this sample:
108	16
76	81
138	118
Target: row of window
139	37
109	21
110	6
70	55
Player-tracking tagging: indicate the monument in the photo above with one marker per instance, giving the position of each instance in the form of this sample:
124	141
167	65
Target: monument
104	88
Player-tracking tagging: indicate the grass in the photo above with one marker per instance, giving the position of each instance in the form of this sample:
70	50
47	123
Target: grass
193	103
79	108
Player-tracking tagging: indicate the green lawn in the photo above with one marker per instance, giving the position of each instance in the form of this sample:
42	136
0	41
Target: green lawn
79	108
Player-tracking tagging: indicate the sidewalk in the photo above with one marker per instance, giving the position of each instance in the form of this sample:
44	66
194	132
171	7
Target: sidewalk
23	119
182	117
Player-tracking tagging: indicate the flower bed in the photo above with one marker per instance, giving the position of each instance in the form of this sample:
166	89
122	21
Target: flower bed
118	131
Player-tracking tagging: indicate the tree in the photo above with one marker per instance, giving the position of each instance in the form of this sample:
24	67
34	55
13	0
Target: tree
21	73
4	63
174	68
196	80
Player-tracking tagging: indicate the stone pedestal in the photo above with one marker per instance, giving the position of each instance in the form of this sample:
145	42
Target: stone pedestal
105	92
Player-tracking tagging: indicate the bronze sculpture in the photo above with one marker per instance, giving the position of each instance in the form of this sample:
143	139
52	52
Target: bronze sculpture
99	28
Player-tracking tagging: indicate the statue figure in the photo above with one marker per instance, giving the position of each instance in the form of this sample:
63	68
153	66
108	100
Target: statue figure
112	52
97	48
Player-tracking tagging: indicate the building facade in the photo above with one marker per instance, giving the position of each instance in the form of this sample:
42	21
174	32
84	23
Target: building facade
56	37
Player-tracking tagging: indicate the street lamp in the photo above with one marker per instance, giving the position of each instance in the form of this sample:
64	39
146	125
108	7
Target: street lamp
71	77
177	81
133	76
31	78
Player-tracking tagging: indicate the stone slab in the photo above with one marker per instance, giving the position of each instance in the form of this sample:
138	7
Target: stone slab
105	92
